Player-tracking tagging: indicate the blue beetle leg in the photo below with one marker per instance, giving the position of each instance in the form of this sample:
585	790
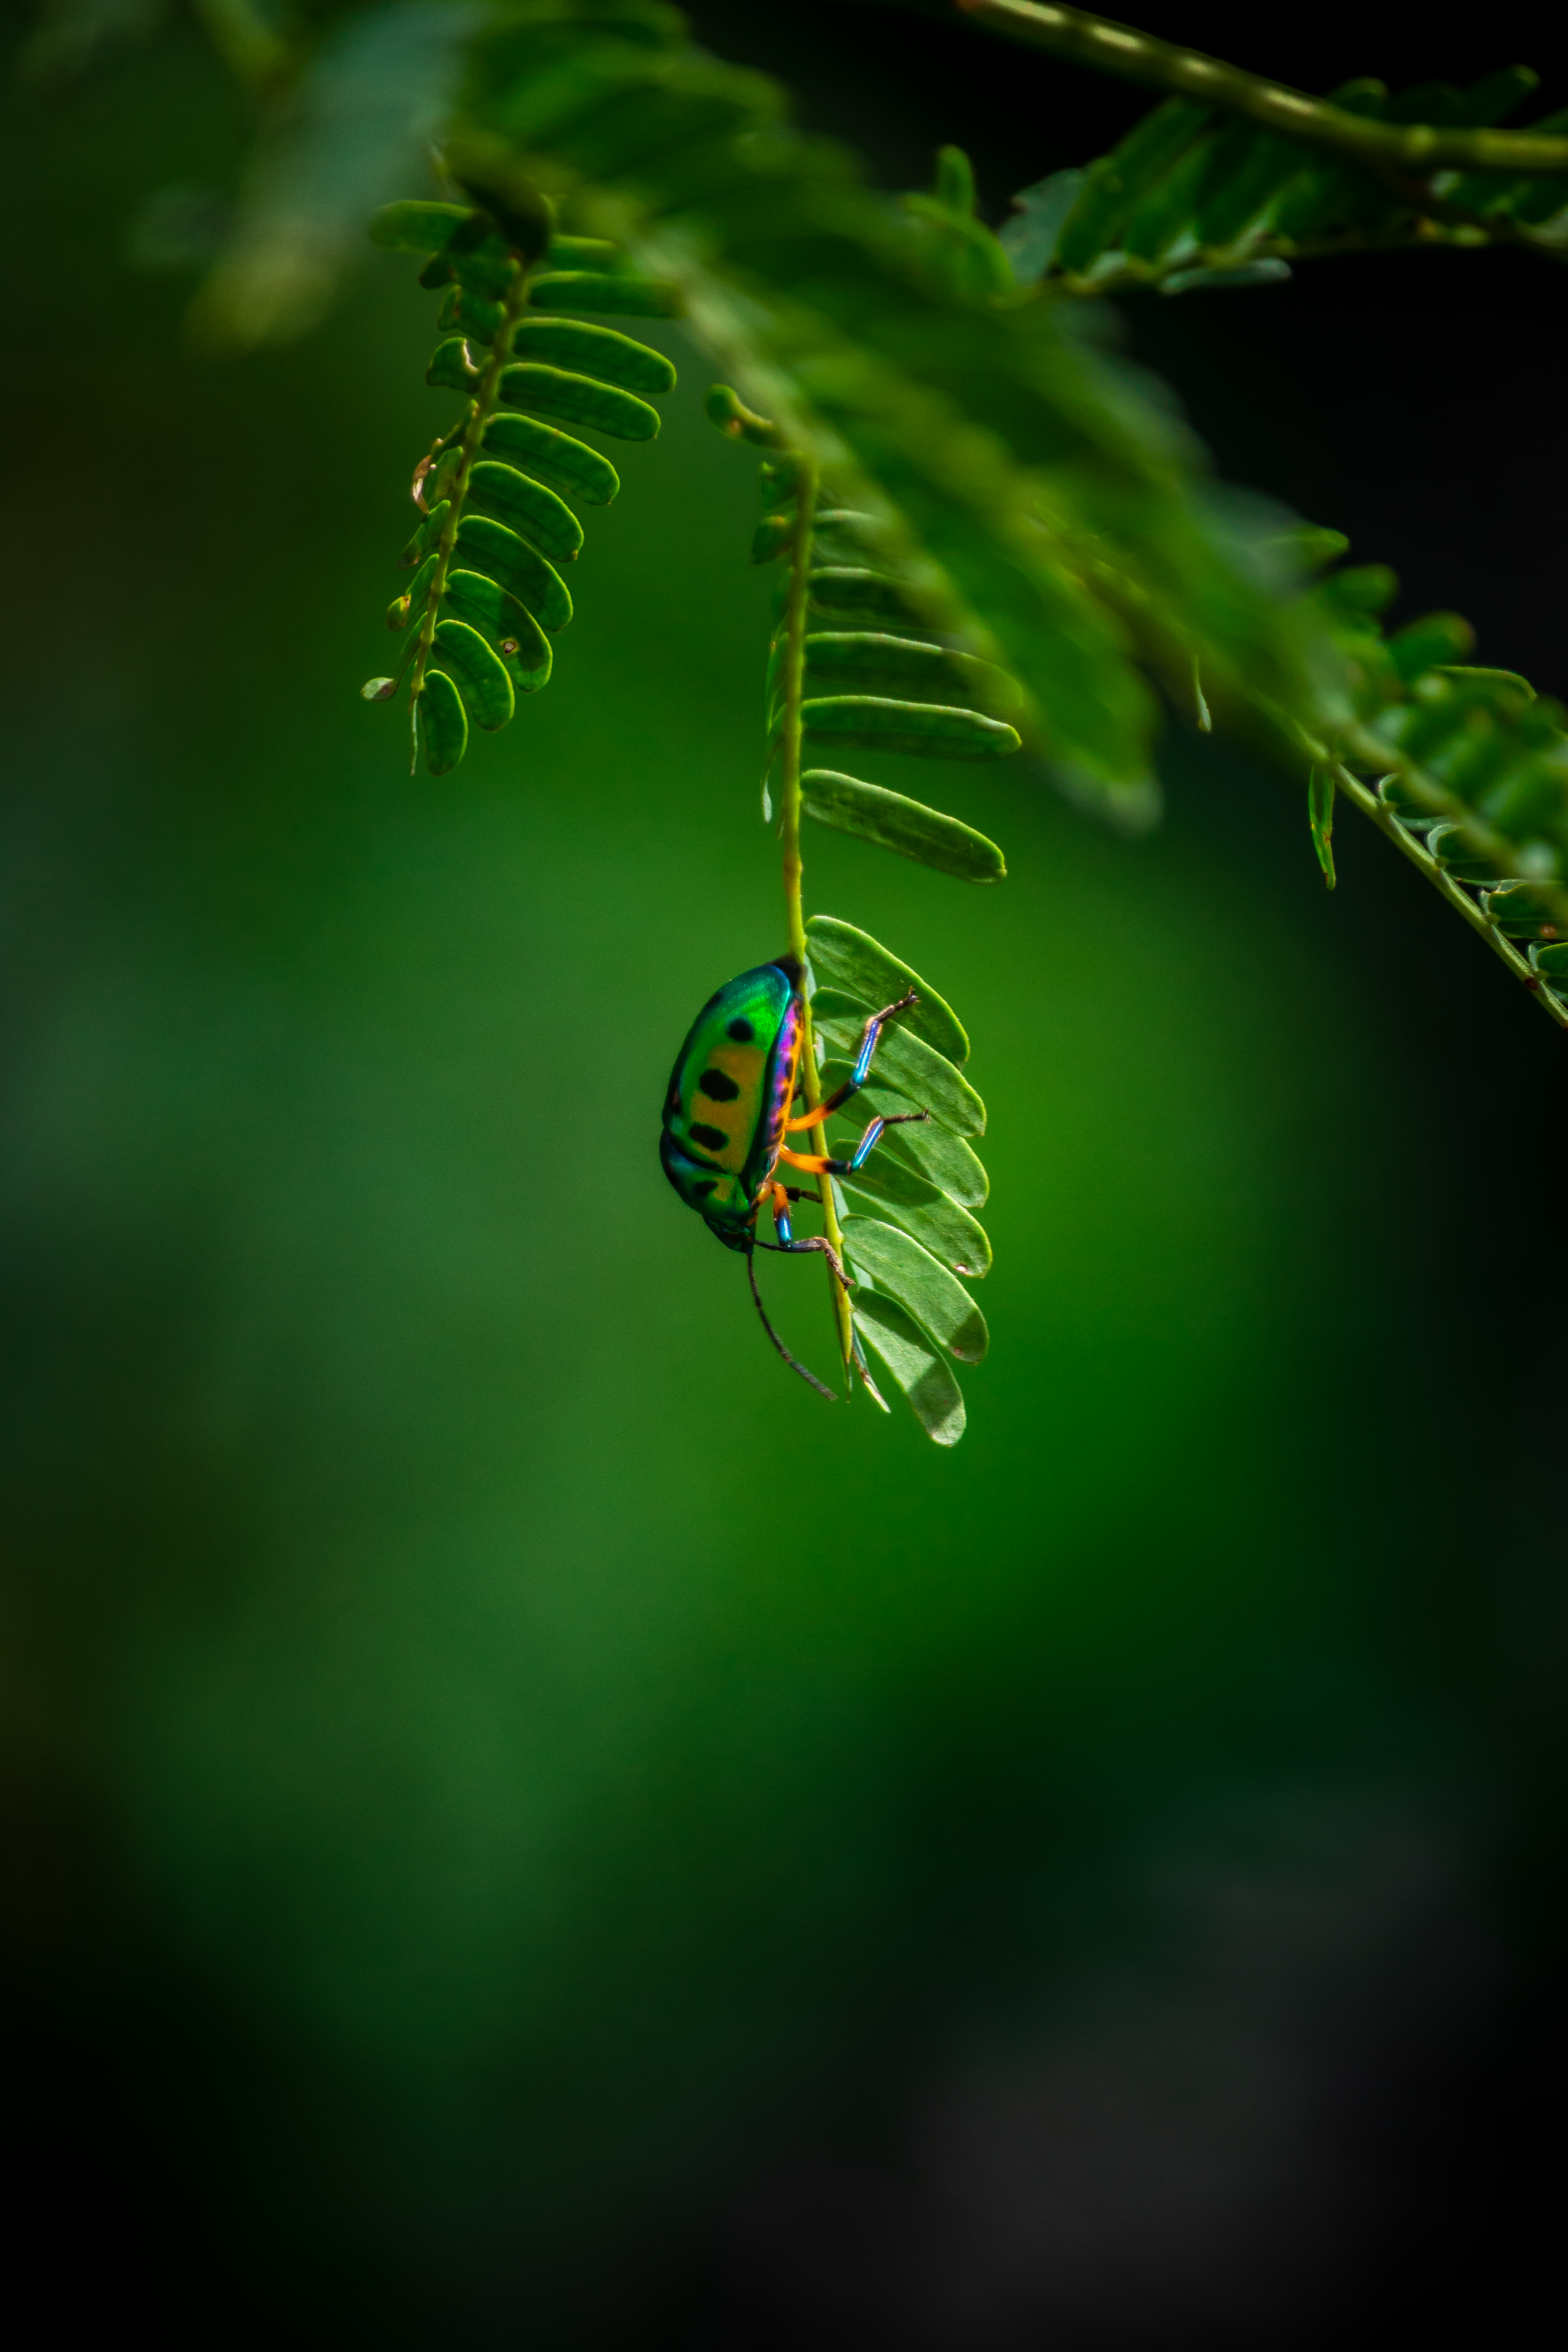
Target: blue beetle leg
873	1135
781	1216
857	1079
819	1164
873	1031
816	1242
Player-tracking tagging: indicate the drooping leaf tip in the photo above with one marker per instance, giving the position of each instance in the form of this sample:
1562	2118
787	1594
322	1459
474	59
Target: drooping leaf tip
727	411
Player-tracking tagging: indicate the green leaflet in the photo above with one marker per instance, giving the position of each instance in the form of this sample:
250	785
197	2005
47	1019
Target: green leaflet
595	253
1423	644
1522	913
1453	848
728	414
528	508
593	289
481	675
412	600
871	661
552	457
1551	963
1112	186
451	368
772	535
848	958
425	537
917	1370
413	227
941	1158
488	547
486	269
849	588
778	480
901	1198
506	624
876	722
445	725
469	315
936	1298
596	352
579	400
1030	239
903	1060
904	825
1321	818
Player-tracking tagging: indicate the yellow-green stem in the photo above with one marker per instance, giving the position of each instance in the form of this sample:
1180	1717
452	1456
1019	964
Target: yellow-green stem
793	681
479	412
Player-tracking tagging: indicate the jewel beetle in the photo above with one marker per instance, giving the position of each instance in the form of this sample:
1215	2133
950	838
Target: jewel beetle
730	1110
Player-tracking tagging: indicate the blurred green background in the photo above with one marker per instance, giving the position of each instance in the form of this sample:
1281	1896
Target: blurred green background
522	1822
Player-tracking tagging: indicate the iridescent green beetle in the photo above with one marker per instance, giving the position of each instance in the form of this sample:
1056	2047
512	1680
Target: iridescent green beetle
730	1106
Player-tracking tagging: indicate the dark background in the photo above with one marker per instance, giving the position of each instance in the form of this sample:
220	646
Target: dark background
522	1826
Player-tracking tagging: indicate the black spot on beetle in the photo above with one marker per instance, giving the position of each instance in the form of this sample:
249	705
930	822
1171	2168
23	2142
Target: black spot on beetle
740	1030
717	1086
710	1138
708	1184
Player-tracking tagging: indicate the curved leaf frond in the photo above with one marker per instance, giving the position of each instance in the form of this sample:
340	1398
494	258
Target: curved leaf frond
495	489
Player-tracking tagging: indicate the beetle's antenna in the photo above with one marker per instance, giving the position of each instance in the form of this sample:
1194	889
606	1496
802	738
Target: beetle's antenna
820	1386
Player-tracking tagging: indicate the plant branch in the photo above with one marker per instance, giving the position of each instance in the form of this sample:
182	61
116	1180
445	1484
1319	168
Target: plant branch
1420	857
794	684
1417	147
481	407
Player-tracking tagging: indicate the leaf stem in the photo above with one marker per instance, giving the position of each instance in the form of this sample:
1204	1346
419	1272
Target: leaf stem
792	682
481	406
1418	147
1421	857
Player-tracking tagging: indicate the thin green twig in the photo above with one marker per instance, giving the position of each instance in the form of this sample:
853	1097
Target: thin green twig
793	680
481	408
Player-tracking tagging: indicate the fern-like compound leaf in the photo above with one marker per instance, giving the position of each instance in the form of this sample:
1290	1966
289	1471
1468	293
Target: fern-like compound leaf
496	490
1465	769
1194	199
908	1225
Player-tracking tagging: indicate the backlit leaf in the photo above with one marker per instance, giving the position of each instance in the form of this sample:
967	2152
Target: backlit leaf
886	1189
609	296
579	400
444	723
916	1369
596	352
904	825
481	675
505	624
876	722
451	368
528	508
845	958
491	548
903	1060
936	1298
551	456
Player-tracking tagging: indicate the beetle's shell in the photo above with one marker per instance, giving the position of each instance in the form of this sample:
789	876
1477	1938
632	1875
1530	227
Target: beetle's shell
729	1094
